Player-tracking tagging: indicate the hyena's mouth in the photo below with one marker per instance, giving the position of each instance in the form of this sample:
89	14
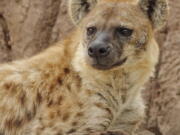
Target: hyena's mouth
120	62
106	67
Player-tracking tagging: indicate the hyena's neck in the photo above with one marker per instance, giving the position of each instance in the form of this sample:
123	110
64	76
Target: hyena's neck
117	86
97	79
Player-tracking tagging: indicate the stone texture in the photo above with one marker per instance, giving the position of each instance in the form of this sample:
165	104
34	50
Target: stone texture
29	26
164	91
34	25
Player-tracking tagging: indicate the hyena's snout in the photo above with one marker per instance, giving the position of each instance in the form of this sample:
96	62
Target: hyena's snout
100	47
99	50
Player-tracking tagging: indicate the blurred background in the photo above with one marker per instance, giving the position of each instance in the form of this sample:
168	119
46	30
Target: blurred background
29	26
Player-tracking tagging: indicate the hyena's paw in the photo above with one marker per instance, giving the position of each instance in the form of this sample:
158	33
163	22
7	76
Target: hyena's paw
110	133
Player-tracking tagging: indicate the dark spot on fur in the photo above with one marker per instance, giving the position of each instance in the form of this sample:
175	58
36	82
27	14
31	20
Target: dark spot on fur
80	104
79	81
59	134
123	97
89	92
66	70
60	99
65	117
68	87
71	131
10	86
13	123
52	86
88	129
101	96
79	114
59	80
49	103
22	98
109	85
38	98
40	118
29	116
99	105
18	123
59	113
124	89
7	86
74	123
109	111
51	115
8	124
46	75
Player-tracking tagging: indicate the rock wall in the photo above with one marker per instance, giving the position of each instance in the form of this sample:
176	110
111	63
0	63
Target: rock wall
164	90
29	26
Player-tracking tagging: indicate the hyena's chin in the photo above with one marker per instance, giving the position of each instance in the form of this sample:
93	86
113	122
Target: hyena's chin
120	63
106	65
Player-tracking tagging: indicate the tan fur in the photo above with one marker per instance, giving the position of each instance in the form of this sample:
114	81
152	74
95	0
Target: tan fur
58	93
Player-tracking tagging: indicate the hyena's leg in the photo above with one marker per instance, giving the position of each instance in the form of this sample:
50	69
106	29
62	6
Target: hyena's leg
126	125
130	119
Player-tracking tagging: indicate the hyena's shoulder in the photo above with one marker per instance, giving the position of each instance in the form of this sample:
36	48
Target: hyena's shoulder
25	84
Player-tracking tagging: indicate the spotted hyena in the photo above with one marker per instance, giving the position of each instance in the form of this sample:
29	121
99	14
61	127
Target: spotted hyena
89	83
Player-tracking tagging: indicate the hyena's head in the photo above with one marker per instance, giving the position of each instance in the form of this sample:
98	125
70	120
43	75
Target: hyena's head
117	32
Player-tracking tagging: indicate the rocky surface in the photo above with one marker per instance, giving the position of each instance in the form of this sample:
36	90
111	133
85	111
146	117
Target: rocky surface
164	91
30	26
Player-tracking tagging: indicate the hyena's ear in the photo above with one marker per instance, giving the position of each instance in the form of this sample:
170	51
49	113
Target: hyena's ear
157	11
79	8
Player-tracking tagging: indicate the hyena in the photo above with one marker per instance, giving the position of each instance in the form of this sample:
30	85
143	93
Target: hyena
89	83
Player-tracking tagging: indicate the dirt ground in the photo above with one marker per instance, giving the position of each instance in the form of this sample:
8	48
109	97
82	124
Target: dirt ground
29	26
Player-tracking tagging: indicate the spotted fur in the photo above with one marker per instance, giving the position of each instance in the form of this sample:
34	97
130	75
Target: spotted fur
58	93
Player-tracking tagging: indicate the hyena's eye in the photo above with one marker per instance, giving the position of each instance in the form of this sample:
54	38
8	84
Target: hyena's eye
124	31
91	30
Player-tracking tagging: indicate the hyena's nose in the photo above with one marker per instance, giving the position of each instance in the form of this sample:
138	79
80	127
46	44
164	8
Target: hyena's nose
99	50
